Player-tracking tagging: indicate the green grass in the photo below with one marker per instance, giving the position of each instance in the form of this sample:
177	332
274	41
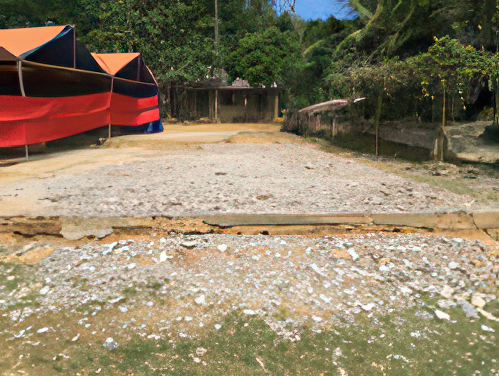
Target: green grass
370	348
401	343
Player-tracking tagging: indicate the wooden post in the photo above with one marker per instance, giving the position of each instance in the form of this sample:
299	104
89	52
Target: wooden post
276	108
210	104
195	104
216	106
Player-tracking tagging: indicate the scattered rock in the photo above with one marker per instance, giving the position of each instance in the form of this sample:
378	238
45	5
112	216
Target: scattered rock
446	304
487	329
442	315
447	292
425	315
200	351
189	244
44	290
368	307
478	301
468	309
316	269
352	253
222	247
110	344
405	290
201	299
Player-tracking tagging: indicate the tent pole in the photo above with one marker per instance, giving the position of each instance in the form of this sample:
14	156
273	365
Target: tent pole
23	93
110	99
138	69
74	49
21	80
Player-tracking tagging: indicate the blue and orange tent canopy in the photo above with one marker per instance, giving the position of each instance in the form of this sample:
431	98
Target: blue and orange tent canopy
53	87
20	43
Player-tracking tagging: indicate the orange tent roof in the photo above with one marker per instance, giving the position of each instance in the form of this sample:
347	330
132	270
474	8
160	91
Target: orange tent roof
20	41
113	63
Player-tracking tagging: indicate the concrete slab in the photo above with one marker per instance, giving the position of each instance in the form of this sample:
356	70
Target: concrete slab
449	221
30	226
79	228
231	220
493	233
486	220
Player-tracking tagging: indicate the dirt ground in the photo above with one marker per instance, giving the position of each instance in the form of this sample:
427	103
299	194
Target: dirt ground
211	169
163	296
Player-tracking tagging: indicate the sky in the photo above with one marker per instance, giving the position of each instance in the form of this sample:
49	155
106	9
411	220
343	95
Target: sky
314	9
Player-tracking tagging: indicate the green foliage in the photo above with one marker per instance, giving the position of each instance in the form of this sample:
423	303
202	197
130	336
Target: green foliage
411	86
389	50
32	13
263	57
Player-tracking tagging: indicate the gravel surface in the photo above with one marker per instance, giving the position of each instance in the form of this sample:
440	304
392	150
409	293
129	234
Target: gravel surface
419	291
236	178
183	281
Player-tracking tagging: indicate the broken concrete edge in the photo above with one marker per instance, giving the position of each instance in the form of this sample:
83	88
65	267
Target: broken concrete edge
76	228
234	220
486	220
458	220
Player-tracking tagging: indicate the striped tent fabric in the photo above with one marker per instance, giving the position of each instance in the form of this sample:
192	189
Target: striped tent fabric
52	87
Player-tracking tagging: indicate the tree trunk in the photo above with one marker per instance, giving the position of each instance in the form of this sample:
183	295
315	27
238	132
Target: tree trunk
441	141
169	101
496	100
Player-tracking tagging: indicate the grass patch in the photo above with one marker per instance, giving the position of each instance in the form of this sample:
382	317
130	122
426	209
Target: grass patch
366	144
21	273
400	344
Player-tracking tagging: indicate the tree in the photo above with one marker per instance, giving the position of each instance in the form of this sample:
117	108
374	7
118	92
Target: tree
491	64
262	58
32	13
397	27
448	67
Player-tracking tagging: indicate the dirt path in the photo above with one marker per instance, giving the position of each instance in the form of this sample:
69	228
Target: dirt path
189	171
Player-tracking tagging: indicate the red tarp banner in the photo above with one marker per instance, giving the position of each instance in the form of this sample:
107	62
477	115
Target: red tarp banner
29	120
133	111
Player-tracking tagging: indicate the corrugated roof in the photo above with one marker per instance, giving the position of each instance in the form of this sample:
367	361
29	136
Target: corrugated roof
113	63
21	41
